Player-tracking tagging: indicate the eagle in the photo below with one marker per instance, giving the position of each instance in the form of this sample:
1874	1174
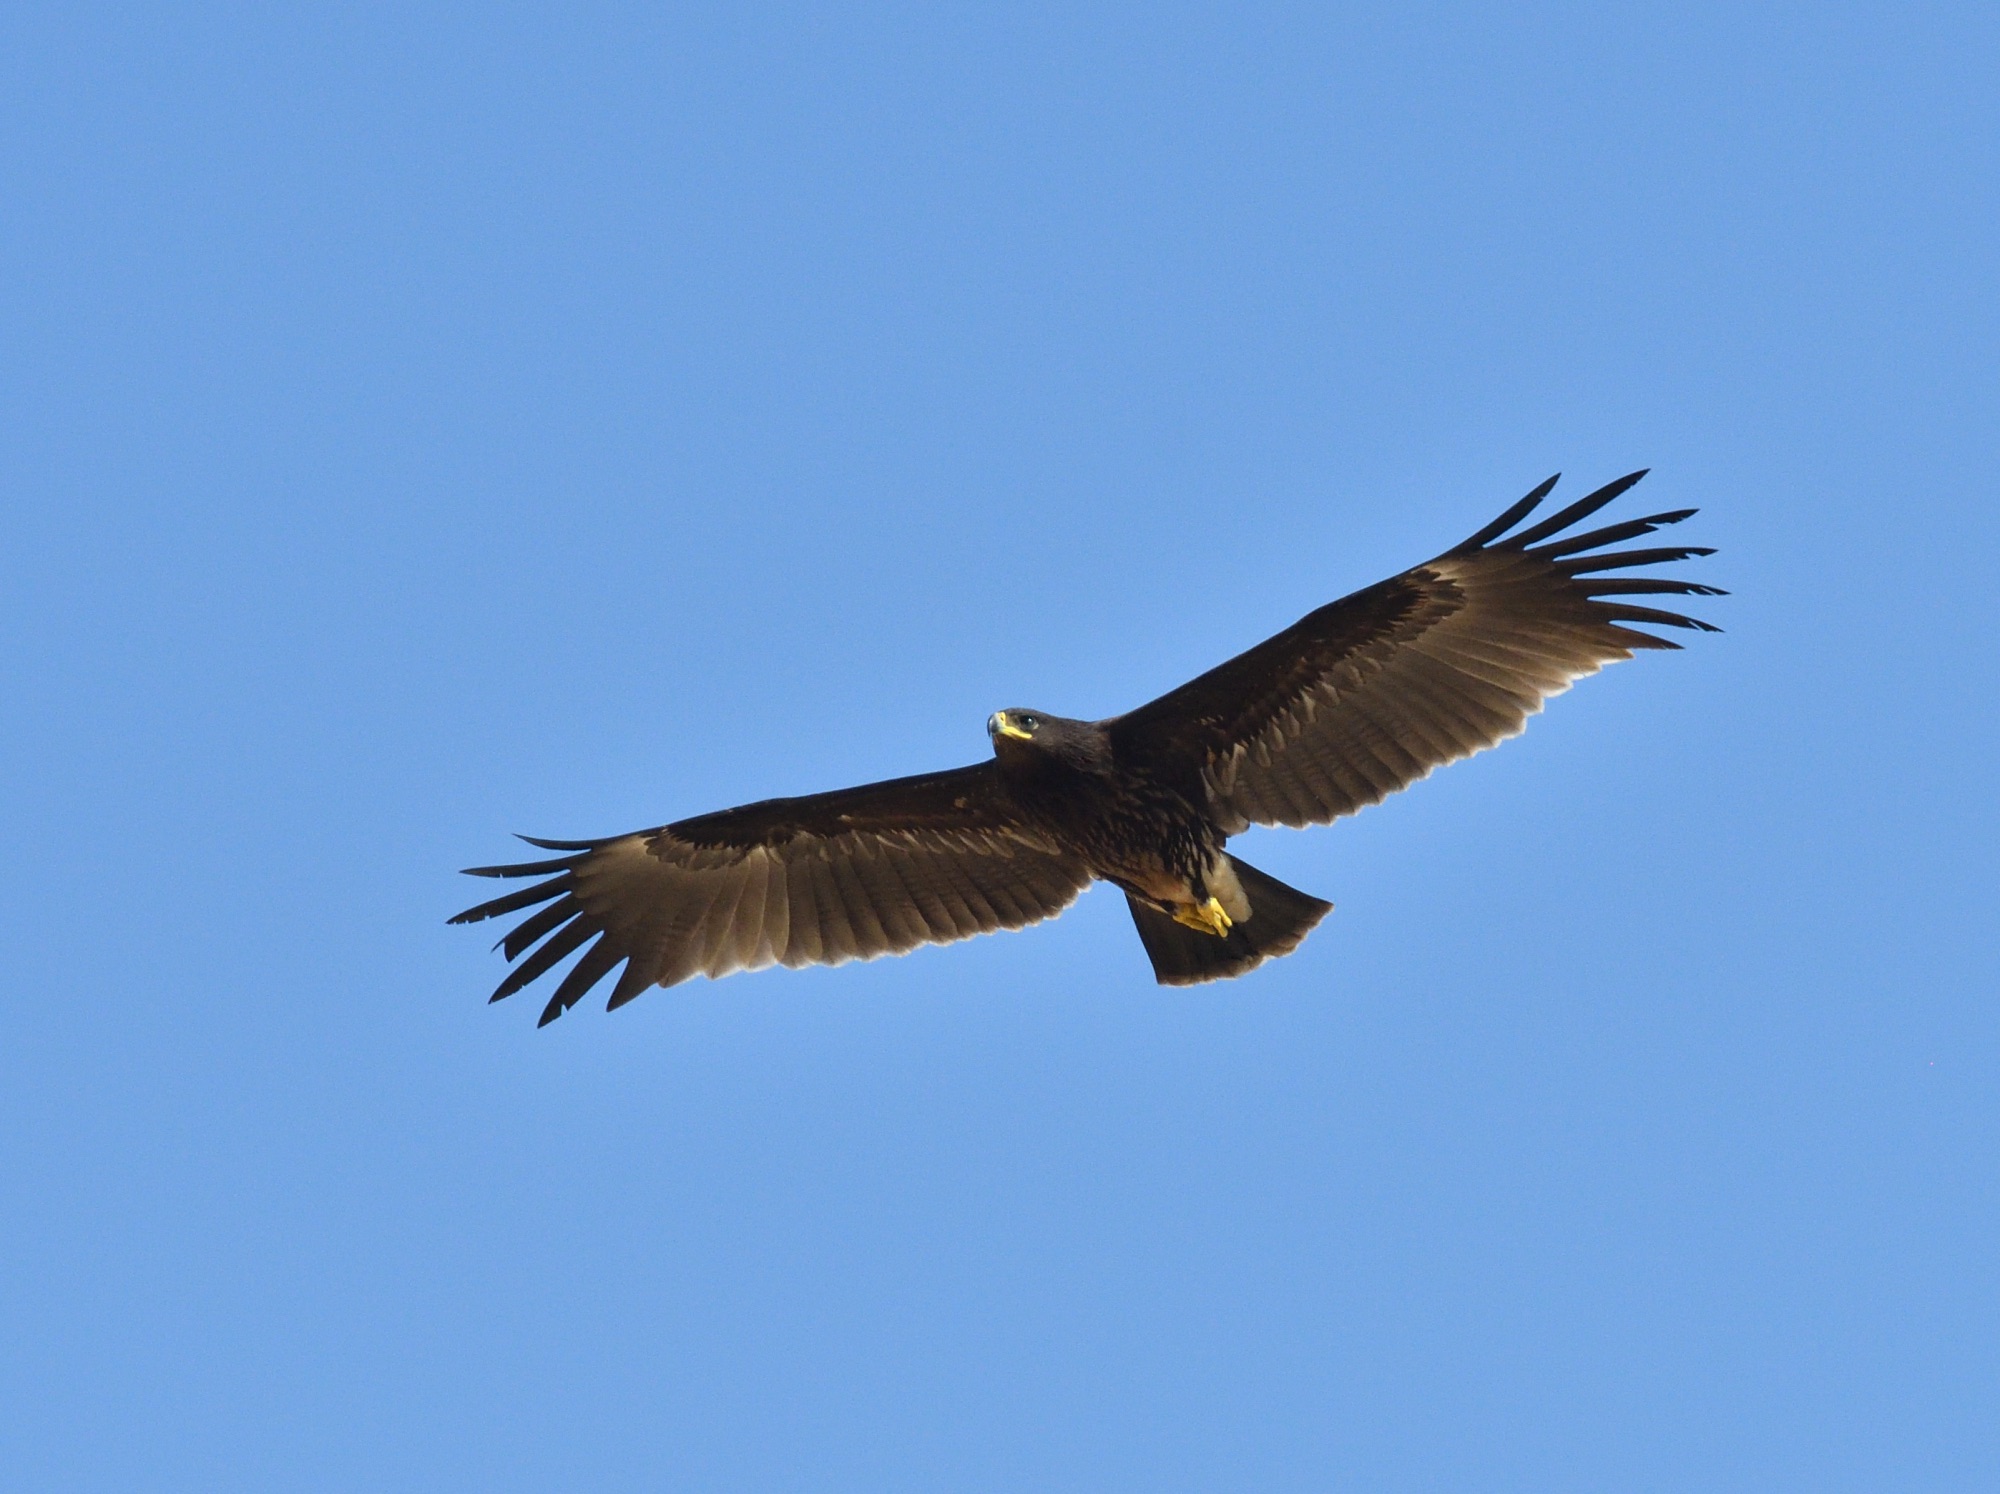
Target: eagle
1354	701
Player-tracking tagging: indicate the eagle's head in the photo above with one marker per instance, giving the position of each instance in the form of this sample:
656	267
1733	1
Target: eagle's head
1021	735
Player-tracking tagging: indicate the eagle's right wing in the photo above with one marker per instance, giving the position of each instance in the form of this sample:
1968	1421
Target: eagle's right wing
818	880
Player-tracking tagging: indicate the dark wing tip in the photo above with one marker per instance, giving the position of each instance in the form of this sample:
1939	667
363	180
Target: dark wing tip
585	973
1612	534
521	897
1620	560
1643	585
1623	612
1633	638
1585	506
523	868
1507	520
1556	523
636	977
558	945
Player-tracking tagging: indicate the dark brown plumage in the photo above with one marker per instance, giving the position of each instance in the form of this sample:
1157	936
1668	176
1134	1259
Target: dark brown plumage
1349	704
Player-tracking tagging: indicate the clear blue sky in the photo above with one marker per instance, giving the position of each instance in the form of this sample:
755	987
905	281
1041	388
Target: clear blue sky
425	422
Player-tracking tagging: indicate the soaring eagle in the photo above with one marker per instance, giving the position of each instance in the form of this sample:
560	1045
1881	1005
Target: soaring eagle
1352	702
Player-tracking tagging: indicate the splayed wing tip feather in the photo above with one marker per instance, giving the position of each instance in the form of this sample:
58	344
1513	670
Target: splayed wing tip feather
1507	520
1583	508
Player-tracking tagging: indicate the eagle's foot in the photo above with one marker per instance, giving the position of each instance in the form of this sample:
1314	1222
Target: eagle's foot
1208	917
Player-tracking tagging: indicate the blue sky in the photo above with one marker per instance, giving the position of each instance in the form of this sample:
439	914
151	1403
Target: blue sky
426	422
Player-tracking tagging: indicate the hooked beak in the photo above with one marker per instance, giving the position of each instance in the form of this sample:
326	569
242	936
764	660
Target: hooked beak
997	725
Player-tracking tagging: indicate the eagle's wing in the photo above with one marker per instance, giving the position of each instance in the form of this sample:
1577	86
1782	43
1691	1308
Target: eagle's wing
820	880
1370	693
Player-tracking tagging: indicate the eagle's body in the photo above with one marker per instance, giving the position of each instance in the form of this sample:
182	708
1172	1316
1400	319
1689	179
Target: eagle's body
1349	704
1141	830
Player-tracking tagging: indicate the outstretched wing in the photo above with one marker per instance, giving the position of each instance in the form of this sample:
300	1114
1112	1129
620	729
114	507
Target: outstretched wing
1370	693
820	880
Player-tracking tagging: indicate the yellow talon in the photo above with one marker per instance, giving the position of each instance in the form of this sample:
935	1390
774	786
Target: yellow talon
1209	917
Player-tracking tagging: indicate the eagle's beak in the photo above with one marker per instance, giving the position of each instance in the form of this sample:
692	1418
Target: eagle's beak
998	725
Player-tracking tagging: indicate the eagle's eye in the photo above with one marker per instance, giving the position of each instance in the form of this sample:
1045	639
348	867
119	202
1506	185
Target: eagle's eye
1028	721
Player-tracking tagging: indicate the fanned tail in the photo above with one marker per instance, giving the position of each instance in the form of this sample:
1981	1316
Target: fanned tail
1280	918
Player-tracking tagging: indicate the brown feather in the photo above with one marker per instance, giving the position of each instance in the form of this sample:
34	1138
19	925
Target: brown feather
1353	702
1368	694
855	874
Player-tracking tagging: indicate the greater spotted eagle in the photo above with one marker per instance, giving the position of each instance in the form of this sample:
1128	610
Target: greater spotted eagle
1351	703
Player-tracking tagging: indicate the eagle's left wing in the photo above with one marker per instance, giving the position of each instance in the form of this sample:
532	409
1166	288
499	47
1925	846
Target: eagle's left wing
1370	693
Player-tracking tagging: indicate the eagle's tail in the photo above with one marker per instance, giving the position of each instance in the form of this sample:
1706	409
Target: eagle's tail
1280	918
